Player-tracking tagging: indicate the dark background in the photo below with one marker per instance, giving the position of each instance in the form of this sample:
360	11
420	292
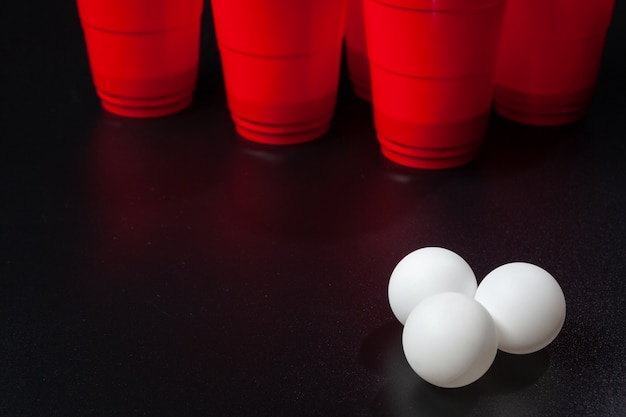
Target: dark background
167	267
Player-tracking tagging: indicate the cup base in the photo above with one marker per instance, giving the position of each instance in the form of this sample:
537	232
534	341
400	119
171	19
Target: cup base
287	134
429	158
541	109
145	107
361	91
431	146
358	68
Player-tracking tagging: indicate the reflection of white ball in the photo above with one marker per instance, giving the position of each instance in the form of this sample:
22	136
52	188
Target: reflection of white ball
527	305
425	272
449	340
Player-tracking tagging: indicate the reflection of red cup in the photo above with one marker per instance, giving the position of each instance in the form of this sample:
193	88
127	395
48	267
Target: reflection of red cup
143	53
281	62
356	50
549	59
432	65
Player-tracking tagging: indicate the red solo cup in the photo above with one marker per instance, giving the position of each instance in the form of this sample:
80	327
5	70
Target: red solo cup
549	59
356	50
280	60
143	53
432	70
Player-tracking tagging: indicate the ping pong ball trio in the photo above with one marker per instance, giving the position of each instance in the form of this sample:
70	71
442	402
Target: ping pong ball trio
453	327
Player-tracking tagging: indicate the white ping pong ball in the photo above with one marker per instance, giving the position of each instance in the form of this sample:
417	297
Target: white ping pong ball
450	340
425	272
527	305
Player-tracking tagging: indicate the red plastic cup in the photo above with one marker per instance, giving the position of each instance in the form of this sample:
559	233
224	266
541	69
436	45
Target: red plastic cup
143	53
432	68
356	51
549	59
280	60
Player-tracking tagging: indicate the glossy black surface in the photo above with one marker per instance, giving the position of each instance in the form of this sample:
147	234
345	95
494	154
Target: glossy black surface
169	268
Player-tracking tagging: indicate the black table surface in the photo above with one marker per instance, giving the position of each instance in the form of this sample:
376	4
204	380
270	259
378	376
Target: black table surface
168	267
